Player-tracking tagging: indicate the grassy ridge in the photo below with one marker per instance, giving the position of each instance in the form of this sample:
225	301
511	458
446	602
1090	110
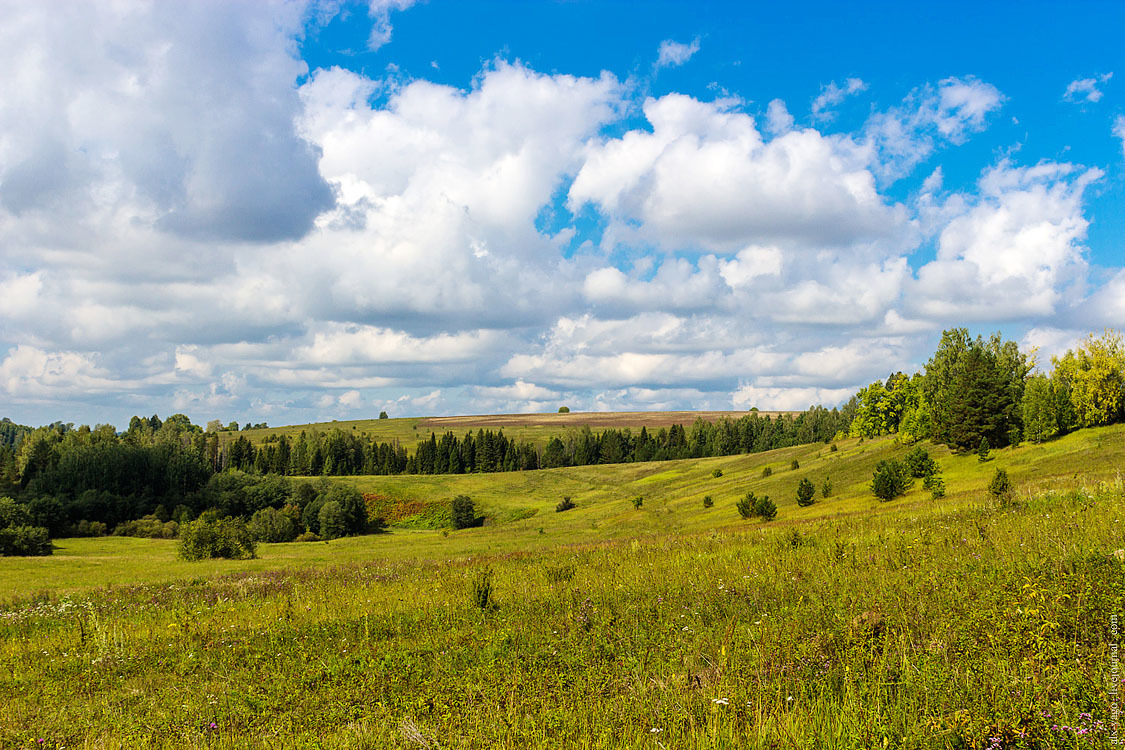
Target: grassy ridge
851	623
532	428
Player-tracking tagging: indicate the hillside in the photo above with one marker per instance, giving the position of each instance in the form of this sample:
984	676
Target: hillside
533	428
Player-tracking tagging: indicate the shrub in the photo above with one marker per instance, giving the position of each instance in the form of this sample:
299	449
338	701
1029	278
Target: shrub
707	501
936	485
333	523
88	528
794	465
767	471
210	537
464	512
480	590
832	448
564	410
826	487
24	541
1001	486
565	504
982	450
920	463
308	536
272	525
638	501
148	527
805	492
717	473
746	506
891	479
765	509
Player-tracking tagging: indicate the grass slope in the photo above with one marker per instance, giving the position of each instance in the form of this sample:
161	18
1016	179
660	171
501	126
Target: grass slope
533	428
852	623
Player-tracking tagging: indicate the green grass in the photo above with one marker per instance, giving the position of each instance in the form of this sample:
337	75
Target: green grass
851	623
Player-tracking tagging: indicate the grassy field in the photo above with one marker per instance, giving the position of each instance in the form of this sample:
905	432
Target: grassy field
533	428
961	622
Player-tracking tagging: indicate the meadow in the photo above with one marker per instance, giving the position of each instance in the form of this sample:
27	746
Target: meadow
961	622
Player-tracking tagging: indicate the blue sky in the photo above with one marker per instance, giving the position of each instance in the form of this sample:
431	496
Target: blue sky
293	211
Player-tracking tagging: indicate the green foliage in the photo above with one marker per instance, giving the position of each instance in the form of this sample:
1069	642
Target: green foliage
745	505
805	492
464	512
880	406
794	465
1093	376
307	536
564	505
708	501
890	480
716	473
983	449
833	448
935	485
766	472
480	590
210	537
272	525
752	506
638	501
564	410
919	462
383	415
148	527
24	541
332	522
13	513
1000	488
826	487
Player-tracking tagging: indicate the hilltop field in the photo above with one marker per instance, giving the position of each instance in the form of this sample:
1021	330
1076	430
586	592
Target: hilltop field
533	428
967	621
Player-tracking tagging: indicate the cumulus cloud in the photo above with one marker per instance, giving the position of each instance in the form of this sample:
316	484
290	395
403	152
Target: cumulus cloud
833	94
1014	251
1086	89
672	54
380	14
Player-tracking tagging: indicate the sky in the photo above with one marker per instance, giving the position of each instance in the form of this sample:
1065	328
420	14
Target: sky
298	211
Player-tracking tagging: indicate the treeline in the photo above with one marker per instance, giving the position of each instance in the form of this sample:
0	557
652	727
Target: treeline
976	392
337	452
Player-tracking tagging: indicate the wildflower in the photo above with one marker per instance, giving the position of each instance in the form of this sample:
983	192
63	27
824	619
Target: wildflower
720	701
789	699
655	730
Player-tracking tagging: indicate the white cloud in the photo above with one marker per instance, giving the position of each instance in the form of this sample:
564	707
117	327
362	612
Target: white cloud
673	54
904	136
1016	249
833	94
1086	89
778	119
380	13
788	399
1119	131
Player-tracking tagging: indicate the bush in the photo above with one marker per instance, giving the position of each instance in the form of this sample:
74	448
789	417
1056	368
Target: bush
891	479
832	448
308	536
919	463
88	528
638	501
717	473
564	505
794	465
826	487
707	501
1001	486
767	471
209	537
480	590
746	506
983	449
805	492
464	512
272	525
25	541
936	485
148	527
761	507
564	410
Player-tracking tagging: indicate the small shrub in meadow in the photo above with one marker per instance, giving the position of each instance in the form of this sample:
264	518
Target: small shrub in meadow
480	590
891	479
832	448
717	473
745	506
564	505
936	485
920	463
767	471
826	487
638	501
1001	486
805	492
308	536
707	501
765	509
794	465
209	537
983	449
464	512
